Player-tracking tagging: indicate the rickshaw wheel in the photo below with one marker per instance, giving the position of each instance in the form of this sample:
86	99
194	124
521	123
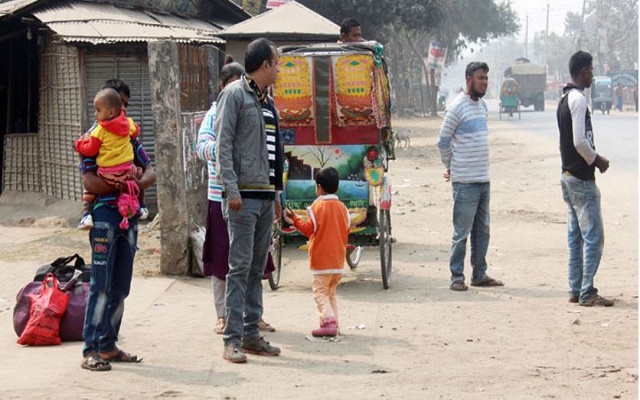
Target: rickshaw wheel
384	225
354	255
274	277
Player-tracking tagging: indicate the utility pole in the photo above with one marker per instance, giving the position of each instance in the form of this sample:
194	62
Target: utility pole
546	38
581	34
547	31
526	38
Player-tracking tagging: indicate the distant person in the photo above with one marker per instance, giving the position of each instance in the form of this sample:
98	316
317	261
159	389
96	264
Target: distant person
350	31
578	182
215	255
464	148
327	227
618	95
249	169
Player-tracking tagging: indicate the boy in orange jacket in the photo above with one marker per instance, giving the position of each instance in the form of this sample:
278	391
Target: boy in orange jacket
327	227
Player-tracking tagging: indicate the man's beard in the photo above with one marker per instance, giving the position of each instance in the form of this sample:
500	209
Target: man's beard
475	94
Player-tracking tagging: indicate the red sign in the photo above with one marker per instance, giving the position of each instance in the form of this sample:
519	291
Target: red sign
276	3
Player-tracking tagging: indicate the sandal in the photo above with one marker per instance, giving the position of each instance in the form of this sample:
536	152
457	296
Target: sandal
94	362
458	286
120	356
265	326
487	281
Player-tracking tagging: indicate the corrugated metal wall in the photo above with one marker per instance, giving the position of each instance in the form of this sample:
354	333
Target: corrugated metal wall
194	78
119	61
60	121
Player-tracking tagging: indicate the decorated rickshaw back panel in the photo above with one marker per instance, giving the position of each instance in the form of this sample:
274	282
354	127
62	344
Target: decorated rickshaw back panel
333	109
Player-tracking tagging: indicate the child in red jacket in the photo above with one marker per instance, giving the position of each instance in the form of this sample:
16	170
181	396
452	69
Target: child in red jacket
110	142
327	227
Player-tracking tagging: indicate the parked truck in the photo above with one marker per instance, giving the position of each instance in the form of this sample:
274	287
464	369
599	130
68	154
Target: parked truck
532	82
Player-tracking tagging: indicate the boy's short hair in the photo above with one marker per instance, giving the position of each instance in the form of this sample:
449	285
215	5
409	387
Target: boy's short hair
347	24
578	61
110	97
328	179
118	85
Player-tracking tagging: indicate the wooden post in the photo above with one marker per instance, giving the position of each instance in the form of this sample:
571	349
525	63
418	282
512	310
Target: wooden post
164	73
433	98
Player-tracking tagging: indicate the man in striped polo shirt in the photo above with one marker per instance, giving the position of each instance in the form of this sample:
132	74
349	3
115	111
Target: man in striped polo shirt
249	157
464	147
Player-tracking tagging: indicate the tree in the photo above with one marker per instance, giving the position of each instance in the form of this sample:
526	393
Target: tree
556	51
410	25
609	31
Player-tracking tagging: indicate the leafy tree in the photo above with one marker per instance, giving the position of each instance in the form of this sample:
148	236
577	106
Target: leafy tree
410	25
554	50
609	31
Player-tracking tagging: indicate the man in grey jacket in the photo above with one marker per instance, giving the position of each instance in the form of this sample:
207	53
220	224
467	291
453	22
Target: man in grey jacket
249	155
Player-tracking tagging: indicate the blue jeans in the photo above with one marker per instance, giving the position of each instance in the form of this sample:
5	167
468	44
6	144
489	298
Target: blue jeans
112	254
470	216
585	234
249	238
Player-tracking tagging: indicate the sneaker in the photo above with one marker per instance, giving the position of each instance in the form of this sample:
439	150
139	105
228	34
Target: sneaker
220	324
234	354
596	300
265	326
574	298
144	213
259	347
328	327
86	222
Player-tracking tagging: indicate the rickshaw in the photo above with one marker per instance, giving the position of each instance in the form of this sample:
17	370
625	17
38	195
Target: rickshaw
334	106
509	100
601	90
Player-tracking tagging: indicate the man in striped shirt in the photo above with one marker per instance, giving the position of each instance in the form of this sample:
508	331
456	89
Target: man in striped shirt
464	147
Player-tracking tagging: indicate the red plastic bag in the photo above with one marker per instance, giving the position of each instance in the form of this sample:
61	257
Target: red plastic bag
45	313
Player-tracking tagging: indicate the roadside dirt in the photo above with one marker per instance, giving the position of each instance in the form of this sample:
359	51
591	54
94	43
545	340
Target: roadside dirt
417	340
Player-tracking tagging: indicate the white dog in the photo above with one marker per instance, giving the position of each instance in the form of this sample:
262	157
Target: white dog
403	136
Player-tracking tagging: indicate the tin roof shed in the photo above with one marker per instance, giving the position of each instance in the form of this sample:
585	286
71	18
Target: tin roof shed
291	21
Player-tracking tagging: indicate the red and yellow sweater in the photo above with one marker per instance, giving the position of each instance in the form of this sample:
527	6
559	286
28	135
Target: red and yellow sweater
327	227
110	141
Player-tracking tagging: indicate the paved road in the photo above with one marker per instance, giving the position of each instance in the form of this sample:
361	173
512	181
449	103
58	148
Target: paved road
616	134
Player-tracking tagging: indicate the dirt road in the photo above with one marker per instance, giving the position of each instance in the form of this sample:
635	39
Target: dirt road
417	340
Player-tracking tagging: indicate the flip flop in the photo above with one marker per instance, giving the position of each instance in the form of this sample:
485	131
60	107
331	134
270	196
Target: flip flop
122	356
458	286
95	363
487	281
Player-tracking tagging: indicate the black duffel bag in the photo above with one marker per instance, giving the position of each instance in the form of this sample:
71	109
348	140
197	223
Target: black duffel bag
73	276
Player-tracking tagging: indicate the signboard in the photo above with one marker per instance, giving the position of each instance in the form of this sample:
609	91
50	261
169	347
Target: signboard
437	55
276	3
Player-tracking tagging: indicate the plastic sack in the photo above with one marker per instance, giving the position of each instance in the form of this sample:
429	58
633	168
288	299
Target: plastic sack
46	311
197	237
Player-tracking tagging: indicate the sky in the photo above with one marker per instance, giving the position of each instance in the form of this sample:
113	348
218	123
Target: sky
537	11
